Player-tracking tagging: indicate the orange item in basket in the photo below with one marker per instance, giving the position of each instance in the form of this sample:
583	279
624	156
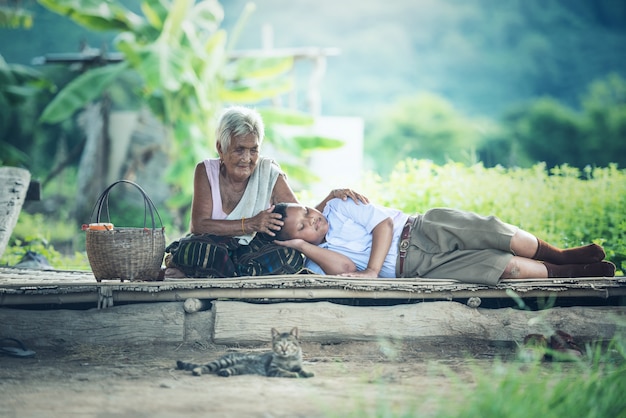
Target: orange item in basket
101	227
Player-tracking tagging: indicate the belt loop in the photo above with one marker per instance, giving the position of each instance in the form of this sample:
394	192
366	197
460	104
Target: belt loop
405	238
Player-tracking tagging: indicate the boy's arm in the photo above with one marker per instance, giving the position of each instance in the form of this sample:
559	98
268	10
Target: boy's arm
331	262
382	235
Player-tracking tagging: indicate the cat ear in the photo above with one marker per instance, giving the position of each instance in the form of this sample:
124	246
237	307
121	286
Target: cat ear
274	332
294	332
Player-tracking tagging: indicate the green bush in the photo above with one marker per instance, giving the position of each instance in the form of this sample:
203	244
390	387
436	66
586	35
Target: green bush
37	233
563	205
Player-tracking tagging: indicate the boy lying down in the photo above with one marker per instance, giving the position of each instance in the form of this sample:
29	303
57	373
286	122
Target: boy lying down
367	240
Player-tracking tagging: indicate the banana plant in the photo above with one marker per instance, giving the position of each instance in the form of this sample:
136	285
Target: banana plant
182	58
19	86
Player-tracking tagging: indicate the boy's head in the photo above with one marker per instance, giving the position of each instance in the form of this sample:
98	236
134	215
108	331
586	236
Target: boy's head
301	222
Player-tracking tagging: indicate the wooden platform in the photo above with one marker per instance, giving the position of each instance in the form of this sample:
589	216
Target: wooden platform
61	307
57	287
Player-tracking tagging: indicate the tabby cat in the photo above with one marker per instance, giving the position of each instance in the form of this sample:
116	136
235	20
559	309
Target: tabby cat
285	360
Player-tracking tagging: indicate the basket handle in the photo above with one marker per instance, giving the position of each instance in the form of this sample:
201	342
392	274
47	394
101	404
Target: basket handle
149	207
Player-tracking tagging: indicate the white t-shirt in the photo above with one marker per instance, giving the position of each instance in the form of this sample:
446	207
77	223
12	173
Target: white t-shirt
350	233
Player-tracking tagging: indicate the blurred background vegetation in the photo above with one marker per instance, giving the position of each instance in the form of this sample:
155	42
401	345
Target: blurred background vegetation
516	108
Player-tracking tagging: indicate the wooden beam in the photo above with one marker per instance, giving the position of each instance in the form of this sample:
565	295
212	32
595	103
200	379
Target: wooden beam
132	324
248	323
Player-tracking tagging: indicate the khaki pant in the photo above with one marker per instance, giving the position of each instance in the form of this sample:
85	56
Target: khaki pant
453	244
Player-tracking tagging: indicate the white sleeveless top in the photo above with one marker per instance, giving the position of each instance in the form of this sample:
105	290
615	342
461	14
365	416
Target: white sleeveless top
256	197
212	166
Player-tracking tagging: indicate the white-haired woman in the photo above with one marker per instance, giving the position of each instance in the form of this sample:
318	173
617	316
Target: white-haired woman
232	202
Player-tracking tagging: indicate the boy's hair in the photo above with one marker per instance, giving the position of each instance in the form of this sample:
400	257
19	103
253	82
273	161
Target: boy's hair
280	208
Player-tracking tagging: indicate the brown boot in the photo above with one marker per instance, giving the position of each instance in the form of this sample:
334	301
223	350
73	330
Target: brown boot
587	254
601	269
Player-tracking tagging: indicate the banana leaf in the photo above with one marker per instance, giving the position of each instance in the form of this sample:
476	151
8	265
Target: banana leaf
80	91
100	15
316	142
241	93
273	116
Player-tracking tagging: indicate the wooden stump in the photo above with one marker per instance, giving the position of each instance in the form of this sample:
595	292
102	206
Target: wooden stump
13	187
248	323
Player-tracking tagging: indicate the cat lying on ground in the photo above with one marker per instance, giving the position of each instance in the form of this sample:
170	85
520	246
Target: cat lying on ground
285	360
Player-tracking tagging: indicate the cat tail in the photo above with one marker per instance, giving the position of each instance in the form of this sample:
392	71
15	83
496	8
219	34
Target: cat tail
183	365
196	369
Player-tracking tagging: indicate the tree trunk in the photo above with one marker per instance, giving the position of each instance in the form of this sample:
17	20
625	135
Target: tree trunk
92	169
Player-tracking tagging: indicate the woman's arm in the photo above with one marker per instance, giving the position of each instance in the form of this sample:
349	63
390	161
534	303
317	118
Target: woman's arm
202	205
382	235
282	192
331	262
342	194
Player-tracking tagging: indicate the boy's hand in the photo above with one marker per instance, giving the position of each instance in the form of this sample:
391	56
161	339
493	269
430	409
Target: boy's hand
367	273
296	244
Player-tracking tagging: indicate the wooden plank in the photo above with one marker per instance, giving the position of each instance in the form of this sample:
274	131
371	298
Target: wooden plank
13	188
249	323
24	287
132	324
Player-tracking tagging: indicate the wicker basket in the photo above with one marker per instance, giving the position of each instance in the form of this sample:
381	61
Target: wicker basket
126	253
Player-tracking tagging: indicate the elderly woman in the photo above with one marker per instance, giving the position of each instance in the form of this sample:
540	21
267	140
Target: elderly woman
233	201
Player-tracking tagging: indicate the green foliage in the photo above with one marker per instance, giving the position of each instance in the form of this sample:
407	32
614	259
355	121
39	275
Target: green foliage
589	388
83	89
604	107
424	126
511	392
481	55
15	17
179	56
288	132
38	233
563	205
19	87
543	130
546	130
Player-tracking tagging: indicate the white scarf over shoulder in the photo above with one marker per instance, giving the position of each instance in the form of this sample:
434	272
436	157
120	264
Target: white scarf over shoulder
258	194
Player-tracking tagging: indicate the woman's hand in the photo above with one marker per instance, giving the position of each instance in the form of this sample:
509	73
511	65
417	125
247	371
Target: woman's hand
264	222
344	194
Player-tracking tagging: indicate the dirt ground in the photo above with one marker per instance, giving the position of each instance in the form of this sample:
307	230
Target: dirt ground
351	379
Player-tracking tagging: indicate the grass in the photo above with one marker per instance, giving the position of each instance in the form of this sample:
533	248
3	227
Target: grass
593	387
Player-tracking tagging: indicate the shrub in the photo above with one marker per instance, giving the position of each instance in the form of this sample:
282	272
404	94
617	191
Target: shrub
563	205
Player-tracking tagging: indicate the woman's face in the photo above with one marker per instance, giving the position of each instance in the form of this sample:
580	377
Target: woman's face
241	157
305	223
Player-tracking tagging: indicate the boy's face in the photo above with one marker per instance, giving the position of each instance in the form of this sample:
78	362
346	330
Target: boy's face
305	223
